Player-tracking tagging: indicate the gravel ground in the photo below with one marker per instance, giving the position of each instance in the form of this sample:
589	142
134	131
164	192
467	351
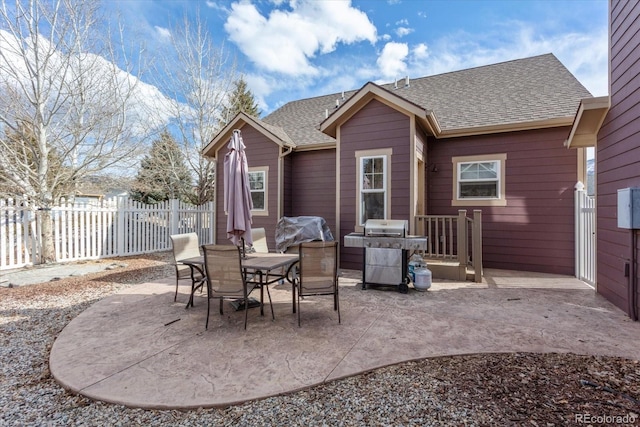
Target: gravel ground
476	390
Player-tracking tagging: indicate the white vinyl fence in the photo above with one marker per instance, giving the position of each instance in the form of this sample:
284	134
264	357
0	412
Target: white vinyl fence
585	223
110	228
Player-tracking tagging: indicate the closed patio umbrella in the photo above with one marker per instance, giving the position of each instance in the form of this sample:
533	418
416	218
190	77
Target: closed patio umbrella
237	192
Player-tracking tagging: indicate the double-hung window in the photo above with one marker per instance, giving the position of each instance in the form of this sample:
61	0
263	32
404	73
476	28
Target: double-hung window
373	186
479	180
258	187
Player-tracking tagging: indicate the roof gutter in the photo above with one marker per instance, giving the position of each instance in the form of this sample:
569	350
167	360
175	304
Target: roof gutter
285	152
509	127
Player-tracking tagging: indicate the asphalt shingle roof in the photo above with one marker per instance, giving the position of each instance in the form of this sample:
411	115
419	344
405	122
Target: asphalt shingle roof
518	91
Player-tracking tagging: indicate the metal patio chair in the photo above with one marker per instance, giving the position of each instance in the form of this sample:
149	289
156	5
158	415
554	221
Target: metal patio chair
186	246
259	237
318	272
225	277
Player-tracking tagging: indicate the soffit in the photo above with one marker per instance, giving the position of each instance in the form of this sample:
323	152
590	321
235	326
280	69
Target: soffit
588	120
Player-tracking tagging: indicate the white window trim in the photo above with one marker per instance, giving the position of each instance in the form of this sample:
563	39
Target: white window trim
265	211
498	201
386	153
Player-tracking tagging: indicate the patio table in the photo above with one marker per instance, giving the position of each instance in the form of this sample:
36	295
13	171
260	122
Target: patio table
265	269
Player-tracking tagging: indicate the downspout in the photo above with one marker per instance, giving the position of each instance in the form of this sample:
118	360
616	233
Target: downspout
283	153
633	280
214	234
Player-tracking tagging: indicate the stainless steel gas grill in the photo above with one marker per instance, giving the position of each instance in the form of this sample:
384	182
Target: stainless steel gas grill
386	244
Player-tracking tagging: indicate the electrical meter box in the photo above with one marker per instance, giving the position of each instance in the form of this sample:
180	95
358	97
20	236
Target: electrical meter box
629	208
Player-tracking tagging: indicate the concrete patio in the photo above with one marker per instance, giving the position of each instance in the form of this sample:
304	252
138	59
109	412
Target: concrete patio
139	348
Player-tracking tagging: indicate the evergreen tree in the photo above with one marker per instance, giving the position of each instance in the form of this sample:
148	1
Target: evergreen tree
240	100
21	153
163	173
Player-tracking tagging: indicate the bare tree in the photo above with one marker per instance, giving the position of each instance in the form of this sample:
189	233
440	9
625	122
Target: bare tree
64	88
198	76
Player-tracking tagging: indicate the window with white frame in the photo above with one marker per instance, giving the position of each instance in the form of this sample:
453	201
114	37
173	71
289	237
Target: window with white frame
373	176
258	186
479	180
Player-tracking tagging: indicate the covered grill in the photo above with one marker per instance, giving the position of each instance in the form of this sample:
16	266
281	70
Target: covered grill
291	231
386	244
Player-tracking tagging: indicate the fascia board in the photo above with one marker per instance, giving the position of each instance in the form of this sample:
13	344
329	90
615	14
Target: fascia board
587	122
212	149
368	92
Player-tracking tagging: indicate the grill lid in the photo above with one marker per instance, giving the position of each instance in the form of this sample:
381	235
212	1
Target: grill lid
386	228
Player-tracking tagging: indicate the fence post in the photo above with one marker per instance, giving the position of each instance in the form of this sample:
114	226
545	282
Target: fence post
461	232
212	222
120	235
463	251
579	233
476	250
174	216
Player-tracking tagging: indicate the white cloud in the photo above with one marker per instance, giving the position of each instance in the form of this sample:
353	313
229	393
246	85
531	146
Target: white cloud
403	31
391	61
420	52
403	28
286	40
260	87
584	54
163	33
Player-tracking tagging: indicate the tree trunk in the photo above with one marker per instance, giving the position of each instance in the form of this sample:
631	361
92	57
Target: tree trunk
47	250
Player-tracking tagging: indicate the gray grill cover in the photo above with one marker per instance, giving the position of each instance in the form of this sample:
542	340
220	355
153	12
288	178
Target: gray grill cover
291	231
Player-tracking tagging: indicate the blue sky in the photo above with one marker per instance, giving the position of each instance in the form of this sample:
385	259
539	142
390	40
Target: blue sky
290	50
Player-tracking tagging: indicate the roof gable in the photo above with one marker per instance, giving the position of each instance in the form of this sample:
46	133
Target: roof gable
273	133
372	91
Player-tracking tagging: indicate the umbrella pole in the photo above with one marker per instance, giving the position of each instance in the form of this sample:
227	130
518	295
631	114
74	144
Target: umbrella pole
244	254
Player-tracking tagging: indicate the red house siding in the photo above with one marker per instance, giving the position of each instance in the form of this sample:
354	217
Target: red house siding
375	126
618	155
535	231
313	186
260	152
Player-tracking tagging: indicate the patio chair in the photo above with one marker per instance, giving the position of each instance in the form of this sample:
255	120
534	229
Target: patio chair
185	246
318	272
225	277
259	237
